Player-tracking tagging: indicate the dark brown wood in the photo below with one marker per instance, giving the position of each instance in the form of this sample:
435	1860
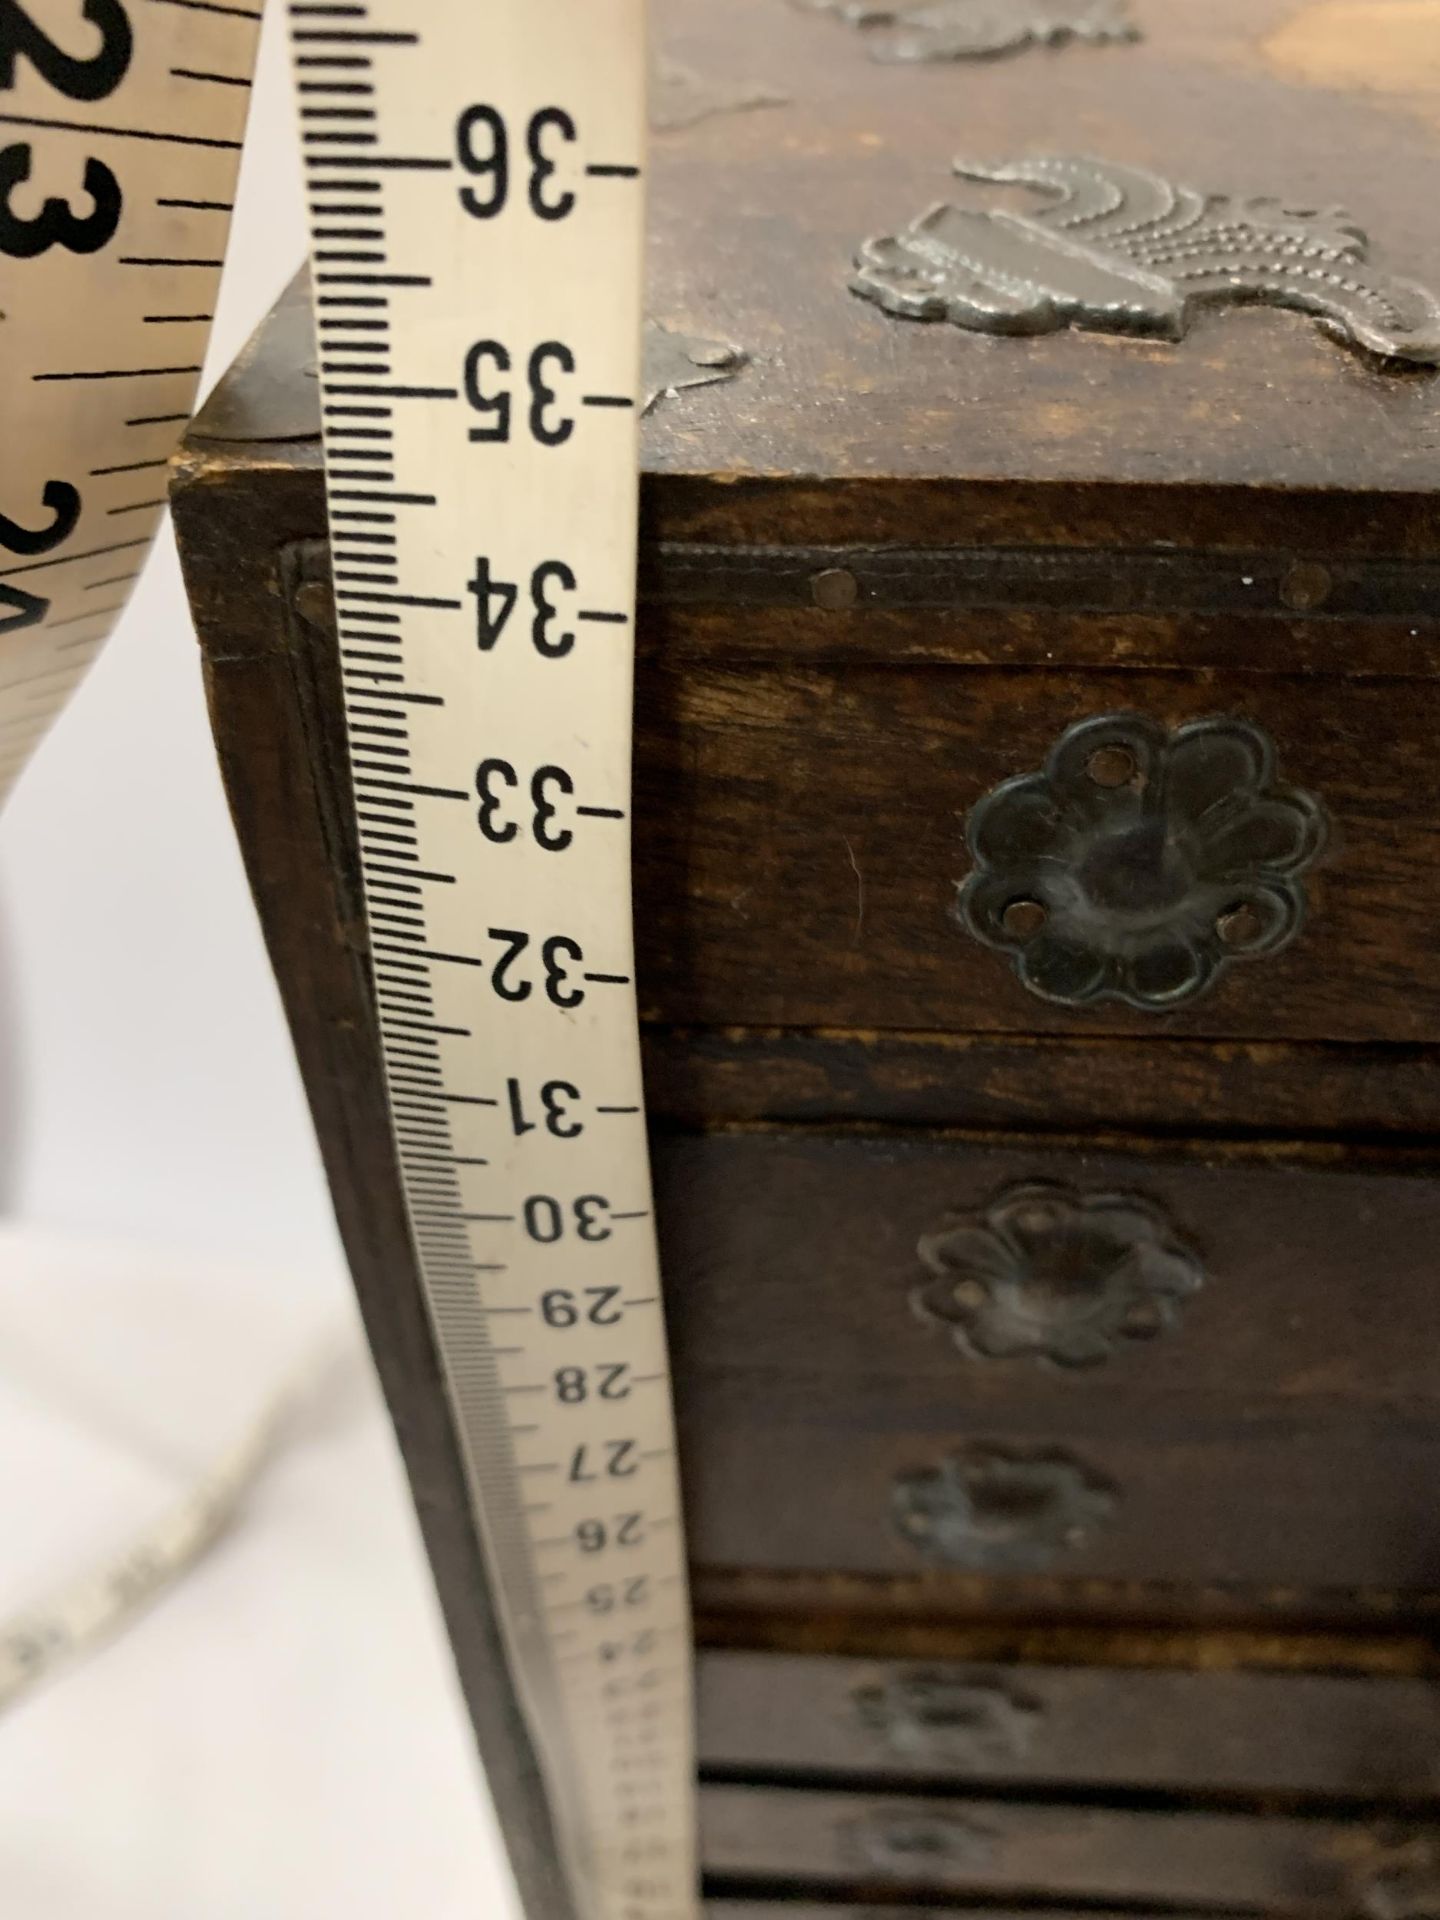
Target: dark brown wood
880	1633
1273	1515
278	721
849	426
1287	1433
815	817
816	1910
737	793
757	250
696	1075
818	880
243	519
1141	1729
866	1843
1351	1490
883	1614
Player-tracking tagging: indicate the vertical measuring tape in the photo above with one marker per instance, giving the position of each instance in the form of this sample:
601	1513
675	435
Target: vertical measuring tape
476	193
475	178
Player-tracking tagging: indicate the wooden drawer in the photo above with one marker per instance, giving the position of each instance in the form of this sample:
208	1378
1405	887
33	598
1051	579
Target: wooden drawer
865	1843
1279	1425
1045	1726
816	1910
801	833
804	828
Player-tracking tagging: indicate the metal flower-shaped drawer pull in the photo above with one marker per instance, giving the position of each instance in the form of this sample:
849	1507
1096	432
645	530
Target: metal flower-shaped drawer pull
964	1718
991	1509
1064	1276
1140	862
909	1843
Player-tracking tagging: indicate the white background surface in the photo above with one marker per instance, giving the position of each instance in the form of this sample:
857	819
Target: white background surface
281	1735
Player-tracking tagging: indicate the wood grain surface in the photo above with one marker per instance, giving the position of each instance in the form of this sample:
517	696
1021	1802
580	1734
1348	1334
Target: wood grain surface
771	1715
1073	1085
802	840
782	197
993	1847
1287	1434
800	836
850	425
818	1910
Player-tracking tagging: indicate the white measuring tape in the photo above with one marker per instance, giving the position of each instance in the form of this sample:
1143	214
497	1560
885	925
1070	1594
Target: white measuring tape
475	178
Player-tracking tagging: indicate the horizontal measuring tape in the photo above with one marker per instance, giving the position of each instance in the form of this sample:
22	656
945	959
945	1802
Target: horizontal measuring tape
475	178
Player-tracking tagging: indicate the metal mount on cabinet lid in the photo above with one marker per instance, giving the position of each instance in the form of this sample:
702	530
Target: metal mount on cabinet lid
1121	250
899	34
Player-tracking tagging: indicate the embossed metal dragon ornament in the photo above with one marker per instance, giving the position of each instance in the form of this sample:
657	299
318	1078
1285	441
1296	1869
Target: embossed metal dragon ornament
1120	250
977	29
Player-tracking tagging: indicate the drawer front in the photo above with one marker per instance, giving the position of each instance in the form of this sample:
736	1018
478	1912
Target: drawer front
1041	1726
989	1847
818	1910
879	846
900	1355
802	856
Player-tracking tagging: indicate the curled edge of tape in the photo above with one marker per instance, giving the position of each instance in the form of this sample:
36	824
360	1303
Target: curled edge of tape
91	1609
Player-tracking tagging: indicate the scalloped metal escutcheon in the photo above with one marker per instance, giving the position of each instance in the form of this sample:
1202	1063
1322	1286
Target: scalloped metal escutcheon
1139	862
993	1509
908	1843
1051	1273
962	1716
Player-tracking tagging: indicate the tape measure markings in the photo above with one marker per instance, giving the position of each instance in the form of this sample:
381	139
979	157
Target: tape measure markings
112	257
478	333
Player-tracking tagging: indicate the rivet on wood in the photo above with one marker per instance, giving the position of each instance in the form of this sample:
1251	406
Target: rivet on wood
1023	919
313	602
1240	926
834	589
1112	766
1306	585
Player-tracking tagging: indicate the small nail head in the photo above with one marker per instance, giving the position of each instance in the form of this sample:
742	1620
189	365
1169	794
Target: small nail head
834	589
1023	919
1306	585
1111	766
1037	1219
313	602
1239	926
